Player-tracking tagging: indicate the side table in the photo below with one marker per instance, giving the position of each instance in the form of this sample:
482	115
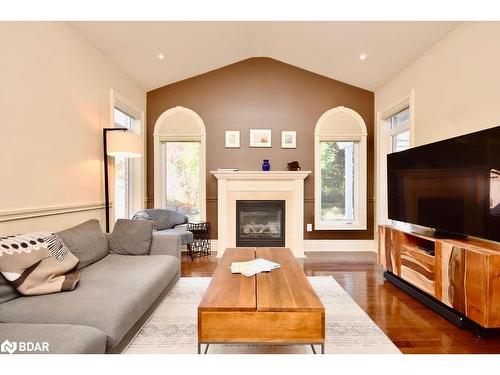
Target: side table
201	238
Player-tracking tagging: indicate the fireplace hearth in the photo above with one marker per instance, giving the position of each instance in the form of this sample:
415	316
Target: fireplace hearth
260	223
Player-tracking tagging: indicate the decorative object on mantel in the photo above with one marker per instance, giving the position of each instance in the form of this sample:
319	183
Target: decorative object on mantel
260	137
227	169
232	139
266	167
288	139
293	166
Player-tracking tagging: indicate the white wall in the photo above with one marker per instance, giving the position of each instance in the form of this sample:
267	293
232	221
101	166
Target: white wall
55	99
456	90
456	83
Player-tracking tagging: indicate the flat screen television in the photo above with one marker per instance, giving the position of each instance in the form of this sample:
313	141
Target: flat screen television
451	186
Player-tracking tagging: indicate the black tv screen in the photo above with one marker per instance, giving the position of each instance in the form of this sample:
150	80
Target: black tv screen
450	186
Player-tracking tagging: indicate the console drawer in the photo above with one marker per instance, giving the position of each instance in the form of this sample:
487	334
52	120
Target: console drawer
418	268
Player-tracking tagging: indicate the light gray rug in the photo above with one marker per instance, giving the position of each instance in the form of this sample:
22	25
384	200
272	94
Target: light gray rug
172	329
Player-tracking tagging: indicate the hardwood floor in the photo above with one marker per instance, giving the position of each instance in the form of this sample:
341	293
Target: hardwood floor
412	326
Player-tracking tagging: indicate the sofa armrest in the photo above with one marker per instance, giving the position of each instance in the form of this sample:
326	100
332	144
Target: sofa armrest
165	243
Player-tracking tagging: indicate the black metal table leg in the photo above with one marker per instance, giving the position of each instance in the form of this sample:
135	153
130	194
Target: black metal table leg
190	251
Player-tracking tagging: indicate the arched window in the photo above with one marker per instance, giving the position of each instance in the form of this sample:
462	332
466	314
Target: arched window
179	162
340	170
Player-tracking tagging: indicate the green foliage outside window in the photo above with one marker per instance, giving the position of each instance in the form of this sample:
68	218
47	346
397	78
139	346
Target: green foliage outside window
183	177
333	180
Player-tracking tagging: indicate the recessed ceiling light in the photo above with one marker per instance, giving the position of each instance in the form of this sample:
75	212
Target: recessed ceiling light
161	56
363	56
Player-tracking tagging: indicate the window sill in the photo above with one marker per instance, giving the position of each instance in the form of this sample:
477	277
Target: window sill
353	226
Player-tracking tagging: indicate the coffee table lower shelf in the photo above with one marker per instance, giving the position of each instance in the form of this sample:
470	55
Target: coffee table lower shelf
312	344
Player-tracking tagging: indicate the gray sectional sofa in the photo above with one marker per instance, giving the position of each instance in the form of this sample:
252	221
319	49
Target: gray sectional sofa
114	297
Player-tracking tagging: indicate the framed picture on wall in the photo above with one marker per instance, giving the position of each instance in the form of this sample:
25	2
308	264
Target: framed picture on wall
232	139
288	139
260	137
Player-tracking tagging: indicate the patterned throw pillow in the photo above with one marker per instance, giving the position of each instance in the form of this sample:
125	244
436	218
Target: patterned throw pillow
38	263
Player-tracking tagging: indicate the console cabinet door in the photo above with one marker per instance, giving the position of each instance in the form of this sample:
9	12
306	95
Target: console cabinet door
453	276
465	282
389	250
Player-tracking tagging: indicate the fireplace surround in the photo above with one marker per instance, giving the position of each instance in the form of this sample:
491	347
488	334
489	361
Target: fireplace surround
260	223
259	185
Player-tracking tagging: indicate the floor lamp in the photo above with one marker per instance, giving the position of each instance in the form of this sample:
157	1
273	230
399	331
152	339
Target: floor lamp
122	143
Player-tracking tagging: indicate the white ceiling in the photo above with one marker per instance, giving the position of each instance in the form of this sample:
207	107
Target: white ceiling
331	49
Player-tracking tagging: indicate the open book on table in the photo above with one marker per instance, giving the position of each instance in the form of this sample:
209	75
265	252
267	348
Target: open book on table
253	267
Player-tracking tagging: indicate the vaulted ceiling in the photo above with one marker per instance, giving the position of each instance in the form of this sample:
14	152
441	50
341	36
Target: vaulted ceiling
331	49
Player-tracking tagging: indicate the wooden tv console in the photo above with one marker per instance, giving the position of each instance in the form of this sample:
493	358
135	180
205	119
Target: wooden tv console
463	275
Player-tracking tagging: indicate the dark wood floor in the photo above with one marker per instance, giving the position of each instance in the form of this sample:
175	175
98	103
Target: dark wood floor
409	324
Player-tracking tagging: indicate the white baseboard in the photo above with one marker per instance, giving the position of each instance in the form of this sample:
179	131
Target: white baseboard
331	245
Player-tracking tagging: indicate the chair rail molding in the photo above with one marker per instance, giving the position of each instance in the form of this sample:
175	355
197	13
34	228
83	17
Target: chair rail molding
28	213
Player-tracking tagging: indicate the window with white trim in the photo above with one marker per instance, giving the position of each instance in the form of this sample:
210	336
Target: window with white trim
394	134
340	170
399	130
123	171
127	190
179	162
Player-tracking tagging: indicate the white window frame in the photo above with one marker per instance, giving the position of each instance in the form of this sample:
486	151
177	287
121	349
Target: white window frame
384	135
392	133
341	124
169	131
137	166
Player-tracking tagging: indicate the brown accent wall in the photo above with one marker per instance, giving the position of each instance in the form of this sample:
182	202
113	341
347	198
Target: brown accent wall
268	94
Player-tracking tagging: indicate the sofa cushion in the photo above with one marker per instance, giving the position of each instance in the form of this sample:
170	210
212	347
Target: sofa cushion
131	237
112	295
7	291
162	218
86	241
61	338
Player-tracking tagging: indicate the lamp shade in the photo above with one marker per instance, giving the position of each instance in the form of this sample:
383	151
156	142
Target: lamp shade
124	144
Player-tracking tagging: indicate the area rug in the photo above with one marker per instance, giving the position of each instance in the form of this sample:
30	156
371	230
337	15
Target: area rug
172	329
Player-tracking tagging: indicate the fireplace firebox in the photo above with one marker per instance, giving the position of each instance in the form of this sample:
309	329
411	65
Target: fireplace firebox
260	223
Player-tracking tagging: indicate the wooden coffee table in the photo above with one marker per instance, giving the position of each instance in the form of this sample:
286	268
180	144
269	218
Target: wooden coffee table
278	307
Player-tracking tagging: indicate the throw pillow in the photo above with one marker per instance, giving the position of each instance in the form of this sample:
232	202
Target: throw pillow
38	263
86	241
7	291
131	237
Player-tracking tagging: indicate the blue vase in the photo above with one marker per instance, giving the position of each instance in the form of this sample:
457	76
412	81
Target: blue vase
266	167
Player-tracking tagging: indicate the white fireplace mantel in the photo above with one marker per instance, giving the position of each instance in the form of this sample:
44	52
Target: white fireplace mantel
259	185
